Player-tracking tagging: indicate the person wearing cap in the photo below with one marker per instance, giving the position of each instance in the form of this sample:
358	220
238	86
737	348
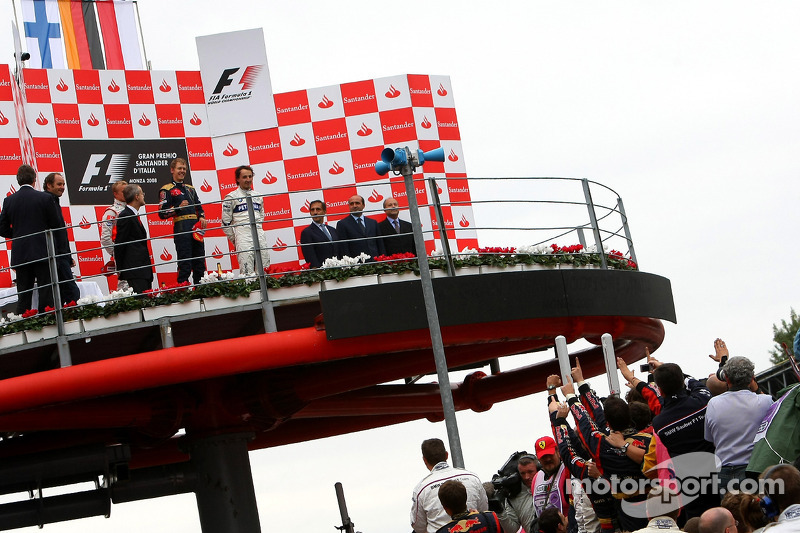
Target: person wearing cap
550	483
427	513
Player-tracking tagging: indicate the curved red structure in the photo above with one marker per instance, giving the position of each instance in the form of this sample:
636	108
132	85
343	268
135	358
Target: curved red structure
302	383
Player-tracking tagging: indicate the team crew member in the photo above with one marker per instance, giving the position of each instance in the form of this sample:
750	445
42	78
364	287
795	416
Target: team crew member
427	513
179	201
236	222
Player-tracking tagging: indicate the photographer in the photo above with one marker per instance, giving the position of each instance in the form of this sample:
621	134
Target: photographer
514	493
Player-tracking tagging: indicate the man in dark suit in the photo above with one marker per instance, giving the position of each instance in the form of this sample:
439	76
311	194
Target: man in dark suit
319	241
26	215
359	234
130	245
54	184
398	234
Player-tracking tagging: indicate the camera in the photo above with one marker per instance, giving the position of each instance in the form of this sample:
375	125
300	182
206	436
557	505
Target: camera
506	482
645	368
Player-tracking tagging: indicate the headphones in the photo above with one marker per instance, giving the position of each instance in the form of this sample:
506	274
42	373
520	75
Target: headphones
768	505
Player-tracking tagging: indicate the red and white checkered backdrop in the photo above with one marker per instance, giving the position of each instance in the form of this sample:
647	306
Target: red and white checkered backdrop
325	146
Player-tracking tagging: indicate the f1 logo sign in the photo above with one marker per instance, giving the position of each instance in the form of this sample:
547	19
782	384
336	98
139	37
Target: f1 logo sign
225	80
247	80
111	166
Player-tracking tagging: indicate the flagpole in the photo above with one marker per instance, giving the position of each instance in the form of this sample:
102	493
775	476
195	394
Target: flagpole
17	43
139	21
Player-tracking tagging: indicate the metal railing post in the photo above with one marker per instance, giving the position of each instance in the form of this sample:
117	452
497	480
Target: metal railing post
445	390
437	206
581	237
598	241
267	311
627	230
611	364
64	355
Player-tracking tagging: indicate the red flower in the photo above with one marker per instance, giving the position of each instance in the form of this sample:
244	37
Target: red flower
48	309
29	313
73	303
400	257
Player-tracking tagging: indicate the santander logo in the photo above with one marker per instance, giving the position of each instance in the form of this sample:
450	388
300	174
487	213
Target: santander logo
85	224
297	140
325	103
41	120
375	197
279	245
304	209
364	131
442	91
164	87
3	119
92	121
206	187
113	87
392	92
195	120
425	123
165	255
452	156
464	223
336	169
230	151
144	121
62	86
217	253
269	179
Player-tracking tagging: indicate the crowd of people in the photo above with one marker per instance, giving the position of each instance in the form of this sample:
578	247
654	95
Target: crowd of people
678	453
28	214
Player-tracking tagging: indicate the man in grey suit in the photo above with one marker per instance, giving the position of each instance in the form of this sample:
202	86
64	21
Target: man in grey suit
359	234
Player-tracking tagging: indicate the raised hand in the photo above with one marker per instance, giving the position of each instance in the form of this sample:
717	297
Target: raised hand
577	373
720	351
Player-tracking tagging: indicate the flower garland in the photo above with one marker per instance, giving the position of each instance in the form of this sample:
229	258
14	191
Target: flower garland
228	284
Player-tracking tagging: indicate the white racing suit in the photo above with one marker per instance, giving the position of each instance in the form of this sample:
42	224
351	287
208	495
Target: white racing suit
108	225
236	225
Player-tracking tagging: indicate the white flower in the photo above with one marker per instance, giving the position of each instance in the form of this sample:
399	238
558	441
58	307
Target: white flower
12	317
592	248
469	251
90	299
332	262
116	295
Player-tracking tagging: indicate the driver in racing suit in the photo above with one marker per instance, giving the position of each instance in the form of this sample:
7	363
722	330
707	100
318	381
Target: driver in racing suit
236	222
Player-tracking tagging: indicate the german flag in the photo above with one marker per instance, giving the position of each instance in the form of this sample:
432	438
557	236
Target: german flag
96	34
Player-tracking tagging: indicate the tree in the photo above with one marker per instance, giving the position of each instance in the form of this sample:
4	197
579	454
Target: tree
785	333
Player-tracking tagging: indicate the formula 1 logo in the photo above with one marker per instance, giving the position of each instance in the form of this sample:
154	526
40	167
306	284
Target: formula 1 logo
227	79
107	168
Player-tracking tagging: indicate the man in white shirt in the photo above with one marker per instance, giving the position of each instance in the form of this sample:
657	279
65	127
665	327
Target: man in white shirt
427	513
